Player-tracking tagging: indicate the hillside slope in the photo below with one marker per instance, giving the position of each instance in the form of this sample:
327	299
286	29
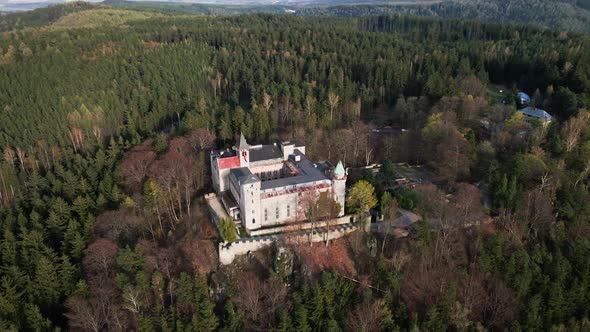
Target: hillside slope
101	17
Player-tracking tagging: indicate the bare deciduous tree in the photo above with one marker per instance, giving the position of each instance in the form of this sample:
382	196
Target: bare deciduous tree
468	200
369	316
333	100
85	314
260	300
571	129
99	262
266	102
133	168
201	139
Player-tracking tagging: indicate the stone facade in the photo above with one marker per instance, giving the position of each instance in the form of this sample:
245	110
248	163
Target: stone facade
271	184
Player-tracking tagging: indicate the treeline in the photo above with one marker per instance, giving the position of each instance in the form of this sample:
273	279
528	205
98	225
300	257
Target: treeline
560	15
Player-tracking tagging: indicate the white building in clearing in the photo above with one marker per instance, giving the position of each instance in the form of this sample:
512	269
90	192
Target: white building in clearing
269	185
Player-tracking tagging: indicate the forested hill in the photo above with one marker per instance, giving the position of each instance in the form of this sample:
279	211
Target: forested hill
559	15
107	116
567	15
41	16
125	47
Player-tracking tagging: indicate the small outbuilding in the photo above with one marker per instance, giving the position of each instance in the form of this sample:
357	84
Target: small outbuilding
523	98
536	113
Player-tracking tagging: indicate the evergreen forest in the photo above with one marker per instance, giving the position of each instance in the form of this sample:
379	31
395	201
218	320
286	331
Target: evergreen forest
108	115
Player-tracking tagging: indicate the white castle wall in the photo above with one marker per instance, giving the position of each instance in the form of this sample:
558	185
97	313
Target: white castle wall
270	204
293	200
228	252
250	205
303	226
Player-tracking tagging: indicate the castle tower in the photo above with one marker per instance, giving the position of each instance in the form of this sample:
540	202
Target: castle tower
339	186
243	149
250	202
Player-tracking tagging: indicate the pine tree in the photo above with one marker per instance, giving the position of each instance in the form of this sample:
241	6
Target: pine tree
206	319
301	316
184	291
234	320
46	283
317	307
8	251
34	319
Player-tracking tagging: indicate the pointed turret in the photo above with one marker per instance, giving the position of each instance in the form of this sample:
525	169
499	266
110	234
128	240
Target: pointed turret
339	186
242	144
243	149
339	171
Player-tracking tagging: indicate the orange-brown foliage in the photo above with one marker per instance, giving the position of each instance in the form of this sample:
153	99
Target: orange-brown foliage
318	257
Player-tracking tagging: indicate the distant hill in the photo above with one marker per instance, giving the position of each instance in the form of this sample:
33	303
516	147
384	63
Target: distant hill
569	15
101	17
41	16
200	8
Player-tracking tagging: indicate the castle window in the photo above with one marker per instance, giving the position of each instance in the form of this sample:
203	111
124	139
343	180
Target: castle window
277	212
288	210
265	215
253	220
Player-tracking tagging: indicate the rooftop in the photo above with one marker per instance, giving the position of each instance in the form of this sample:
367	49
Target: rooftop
339	170
265	152
224	153
524	97
536	112
243	175
308	172
240	172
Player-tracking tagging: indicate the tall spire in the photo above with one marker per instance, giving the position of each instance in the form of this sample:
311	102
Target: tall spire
339	171
242	144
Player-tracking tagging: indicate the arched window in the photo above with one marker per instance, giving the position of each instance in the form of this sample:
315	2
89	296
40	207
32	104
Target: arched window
253	220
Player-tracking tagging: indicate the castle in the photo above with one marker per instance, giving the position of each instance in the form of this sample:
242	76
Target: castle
264	186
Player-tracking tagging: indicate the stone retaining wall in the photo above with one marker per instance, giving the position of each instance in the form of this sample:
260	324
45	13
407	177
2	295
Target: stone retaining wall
227	252
303	226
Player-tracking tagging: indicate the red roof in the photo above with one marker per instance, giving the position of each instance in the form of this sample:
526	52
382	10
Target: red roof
228	162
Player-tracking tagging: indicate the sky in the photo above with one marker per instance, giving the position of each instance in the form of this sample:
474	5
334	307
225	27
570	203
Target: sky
24	2
33	1
16	2
17	5
28	4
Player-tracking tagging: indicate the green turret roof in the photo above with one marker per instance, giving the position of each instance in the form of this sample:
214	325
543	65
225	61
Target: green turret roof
339	170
